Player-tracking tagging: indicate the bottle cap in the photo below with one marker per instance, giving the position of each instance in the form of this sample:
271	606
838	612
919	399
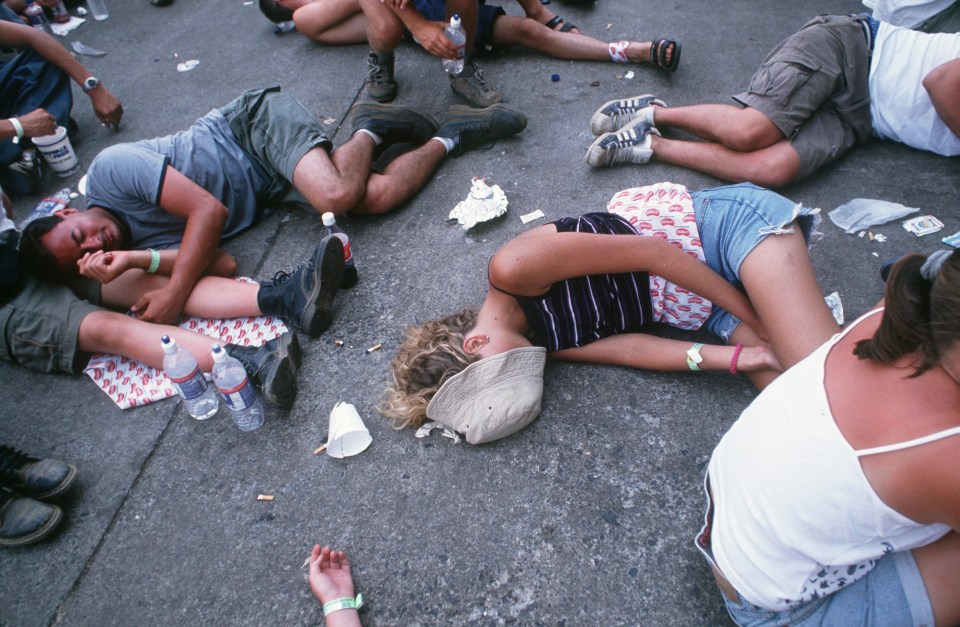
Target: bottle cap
169	344
455	20
218	353
328	218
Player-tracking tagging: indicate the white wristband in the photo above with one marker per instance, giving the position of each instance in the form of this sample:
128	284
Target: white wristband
17	127
345	603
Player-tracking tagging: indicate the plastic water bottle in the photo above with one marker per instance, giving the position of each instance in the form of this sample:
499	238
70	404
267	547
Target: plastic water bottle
199	398
37	18
47	206
283	27
99	9
350	276
455	33
236	390
59	12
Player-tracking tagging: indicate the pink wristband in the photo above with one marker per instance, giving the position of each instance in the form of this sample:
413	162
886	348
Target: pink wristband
733	360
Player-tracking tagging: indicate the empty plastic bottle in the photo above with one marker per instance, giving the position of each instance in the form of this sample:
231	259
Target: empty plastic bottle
199	398
99	9
456	34
59	12
283	27
236	390
47	206
350	276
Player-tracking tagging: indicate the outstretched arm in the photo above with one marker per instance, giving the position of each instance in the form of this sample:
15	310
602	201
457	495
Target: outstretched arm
105	266
650	352
529	264
105	105
330	579
205	217
943	85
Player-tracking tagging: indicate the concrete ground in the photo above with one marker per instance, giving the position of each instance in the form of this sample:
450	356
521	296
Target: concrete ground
586	517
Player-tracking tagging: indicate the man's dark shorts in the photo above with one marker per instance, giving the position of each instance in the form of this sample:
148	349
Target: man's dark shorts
40	326
276	130
814	87
436	11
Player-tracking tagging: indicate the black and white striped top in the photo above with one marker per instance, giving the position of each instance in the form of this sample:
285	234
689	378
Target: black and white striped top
577	311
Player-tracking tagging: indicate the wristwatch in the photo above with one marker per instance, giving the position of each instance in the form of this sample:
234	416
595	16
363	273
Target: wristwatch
90	84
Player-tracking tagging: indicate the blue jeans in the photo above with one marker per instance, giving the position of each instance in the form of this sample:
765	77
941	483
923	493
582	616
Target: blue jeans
732	221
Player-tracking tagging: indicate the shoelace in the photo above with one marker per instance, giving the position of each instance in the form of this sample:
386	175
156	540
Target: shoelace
11	460
478	78
378	72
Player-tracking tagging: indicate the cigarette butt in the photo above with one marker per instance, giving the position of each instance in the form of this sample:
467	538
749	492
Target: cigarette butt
264	497
870	235
338	342
320	449
375	347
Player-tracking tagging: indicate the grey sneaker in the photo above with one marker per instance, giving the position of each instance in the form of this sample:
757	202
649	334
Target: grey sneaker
36	478
24	521
272	367
305	297
392	123
471	86
617	113
631	144
473	128
380	83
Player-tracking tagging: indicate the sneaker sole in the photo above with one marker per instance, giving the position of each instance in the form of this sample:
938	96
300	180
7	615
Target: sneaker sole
279	385
48	527
423	126
328	274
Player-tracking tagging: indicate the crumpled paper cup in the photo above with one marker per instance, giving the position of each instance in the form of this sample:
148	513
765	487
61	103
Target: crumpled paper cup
347	435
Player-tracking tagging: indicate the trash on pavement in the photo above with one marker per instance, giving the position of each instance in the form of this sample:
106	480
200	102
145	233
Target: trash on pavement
483	203
923	225
860	213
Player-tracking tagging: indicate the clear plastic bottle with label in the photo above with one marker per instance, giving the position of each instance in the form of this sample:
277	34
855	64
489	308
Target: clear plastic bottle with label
236	390
47	206
199	398
36	17
350	276
456	34
99	9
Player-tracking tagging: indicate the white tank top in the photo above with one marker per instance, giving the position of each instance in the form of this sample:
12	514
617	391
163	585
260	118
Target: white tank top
795	516
900	107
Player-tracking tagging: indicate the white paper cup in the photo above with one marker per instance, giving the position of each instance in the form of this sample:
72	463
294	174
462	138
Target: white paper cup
347	434
58	152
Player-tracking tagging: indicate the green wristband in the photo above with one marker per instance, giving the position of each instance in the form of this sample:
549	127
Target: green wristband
154	261
346	603
693	357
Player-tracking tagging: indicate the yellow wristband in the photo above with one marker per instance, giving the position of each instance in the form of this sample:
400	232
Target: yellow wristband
154	261
346	603
17	127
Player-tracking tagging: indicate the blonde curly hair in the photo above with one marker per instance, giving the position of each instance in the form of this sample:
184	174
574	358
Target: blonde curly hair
429	355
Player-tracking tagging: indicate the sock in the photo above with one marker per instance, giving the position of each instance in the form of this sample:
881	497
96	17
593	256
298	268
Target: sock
447	142
618	51
376	138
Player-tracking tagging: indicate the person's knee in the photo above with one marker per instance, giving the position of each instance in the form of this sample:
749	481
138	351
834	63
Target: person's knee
337	199
384	32
753	131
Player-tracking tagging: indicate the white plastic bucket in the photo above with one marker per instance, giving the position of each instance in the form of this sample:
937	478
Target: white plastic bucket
58	152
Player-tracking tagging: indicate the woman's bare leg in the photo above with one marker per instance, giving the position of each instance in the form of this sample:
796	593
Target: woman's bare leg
939	565
333	22
782	286
510	30
212	297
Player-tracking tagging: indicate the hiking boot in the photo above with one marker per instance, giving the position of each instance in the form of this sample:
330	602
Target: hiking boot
472	128
24	521
380	83
23	177
631	144
36	478
471	86
272	367
305	297
393	124
617	113
272	10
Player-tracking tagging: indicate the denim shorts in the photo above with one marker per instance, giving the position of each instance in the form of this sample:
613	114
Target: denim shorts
487	14
40	326
732	220
276	130
890	595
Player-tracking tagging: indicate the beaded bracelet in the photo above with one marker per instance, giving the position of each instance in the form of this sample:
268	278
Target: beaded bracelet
733	360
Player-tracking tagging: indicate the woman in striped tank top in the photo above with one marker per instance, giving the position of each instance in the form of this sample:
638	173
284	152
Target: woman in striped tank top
591	288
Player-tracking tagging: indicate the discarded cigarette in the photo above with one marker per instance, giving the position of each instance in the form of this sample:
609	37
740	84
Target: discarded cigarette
264	497
320	449
338	342
629	75
870	235
375	347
